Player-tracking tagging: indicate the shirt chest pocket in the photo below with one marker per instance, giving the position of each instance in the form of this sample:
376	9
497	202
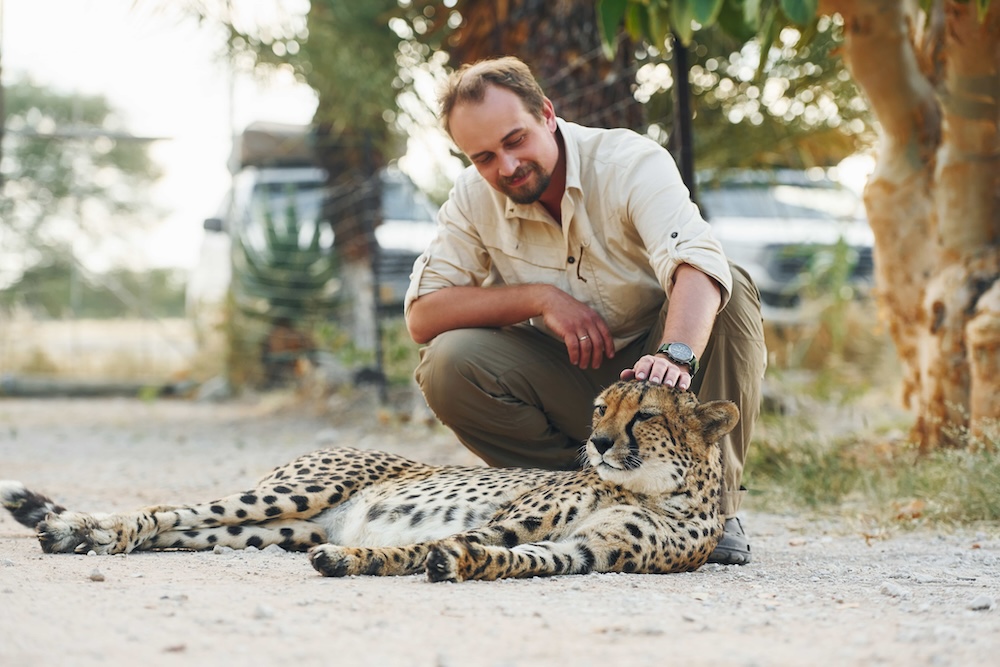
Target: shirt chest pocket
530	262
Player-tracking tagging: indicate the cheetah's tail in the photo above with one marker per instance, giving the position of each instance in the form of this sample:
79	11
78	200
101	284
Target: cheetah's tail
26	506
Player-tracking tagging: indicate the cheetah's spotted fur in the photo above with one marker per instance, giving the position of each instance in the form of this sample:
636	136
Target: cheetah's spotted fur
647	502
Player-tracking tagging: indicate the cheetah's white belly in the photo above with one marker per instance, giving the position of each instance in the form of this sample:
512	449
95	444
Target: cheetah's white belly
370	519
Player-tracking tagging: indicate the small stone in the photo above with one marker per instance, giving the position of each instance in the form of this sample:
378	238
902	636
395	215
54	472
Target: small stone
219	549
894	590
96	575
263	612
7	562
91	553
982	603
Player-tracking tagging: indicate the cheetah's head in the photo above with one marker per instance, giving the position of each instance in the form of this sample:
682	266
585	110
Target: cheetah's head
649	438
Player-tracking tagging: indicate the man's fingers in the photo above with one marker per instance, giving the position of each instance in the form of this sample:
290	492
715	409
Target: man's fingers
658	371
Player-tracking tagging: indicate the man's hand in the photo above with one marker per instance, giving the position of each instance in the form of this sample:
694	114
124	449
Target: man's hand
584	332
659	370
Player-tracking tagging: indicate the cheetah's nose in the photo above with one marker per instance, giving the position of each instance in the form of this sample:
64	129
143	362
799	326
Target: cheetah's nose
601	444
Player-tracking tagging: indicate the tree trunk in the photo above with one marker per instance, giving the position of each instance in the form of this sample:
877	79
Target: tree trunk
358	284
353	210
934	204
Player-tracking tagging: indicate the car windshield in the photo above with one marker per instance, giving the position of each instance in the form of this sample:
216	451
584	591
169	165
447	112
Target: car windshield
401	200
292	208
779	201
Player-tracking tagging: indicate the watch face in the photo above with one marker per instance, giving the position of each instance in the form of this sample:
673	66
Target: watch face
680	352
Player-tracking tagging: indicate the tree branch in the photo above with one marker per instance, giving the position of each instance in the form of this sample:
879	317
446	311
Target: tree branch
882	61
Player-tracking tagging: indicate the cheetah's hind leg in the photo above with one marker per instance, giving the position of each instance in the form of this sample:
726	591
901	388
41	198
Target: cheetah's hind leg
332	560
289	534
463	557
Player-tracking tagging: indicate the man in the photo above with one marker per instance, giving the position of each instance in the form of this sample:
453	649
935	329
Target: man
557	255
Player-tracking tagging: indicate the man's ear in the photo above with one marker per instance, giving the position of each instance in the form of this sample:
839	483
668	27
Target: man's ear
549	115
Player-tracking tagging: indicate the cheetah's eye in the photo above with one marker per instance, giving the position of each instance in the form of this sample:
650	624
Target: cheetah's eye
600	410
643	415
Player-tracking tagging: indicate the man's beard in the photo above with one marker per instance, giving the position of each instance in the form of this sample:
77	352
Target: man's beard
530	191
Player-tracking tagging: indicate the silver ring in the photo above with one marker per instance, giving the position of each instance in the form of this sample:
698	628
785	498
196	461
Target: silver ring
584	337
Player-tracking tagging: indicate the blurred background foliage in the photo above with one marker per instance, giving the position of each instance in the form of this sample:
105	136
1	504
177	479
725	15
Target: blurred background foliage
805	113
73	180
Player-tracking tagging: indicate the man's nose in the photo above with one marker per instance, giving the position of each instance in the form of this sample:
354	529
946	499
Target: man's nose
508	164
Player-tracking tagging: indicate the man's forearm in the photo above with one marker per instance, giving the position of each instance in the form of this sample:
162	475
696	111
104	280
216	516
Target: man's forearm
694	303
465	307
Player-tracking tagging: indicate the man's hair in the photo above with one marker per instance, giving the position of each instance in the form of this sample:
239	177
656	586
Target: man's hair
469	84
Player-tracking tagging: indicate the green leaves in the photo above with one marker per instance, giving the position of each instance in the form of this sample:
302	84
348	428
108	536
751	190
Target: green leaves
799	12
982	6
654	20
610	14
706	12
680	20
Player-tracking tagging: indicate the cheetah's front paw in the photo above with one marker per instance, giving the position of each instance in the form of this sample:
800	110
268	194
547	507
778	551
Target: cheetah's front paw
331	560
453	559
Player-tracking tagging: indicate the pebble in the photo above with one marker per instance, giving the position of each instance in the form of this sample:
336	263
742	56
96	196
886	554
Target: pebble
894	590
982	603
8	562
97	575
219	549
263	612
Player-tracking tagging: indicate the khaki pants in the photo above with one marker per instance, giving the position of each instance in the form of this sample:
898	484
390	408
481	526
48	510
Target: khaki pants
512	397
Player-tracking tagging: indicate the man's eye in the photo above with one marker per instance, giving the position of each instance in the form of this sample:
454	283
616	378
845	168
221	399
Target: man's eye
515	142
484	160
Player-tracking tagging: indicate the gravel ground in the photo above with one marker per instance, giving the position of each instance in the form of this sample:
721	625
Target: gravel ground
820	591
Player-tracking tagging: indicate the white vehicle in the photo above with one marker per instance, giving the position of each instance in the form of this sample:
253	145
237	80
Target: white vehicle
789	231
284	197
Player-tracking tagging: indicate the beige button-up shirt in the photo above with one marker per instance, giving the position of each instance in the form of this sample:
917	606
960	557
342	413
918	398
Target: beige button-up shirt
627	224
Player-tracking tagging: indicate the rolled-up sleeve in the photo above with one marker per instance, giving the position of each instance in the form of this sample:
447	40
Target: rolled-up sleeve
669	223
455	256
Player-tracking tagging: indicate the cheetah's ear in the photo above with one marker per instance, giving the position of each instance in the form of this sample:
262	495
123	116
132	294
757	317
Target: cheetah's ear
717	419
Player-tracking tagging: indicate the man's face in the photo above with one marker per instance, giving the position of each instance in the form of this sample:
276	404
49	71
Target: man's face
514	151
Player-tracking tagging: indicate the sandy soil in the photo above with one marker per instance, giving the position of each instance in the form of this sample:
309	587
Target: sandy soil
819	591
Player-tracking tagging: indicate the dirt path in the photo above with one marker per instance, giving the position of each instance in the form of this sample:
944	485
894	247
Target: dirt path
818	592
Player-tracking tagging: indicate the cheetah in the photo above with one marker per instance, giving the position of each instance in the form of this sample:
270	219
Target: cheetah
646	501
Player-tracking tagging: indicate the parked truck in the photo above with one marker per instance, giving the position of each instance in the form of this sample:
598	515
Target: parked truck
269	263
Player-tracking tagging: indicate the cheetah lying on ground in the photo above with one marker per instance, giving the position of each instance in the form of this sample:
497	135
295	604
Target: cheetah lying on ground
647	502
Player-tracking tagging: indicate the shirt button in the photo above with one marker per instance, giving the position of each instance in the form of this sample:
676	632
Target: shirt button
571	259
673	235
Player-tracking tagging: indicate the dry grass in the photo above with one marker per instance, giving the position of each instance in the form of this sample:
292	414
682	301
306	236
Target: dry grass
836	439
97	349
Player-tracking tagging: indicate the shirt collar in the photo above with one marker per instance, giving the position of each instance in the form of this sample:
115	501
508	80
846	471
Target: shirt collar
572	154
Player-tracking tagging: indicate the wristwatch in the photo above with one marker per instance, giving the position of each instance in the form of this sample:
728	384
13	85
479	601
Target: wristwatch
680	354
